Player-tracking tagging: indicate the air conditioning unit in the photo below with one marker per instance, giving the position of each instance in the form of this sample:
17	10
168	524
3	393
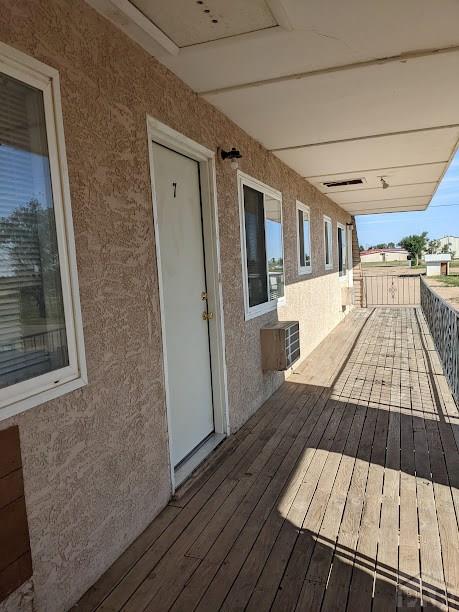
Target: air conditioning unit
280	345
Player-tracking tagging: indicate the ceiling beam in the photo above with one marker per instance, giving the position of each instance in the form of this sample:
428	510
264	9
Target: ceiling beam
379	61
133	22
367	137
424	195
381	211
280	14
363	188
433	163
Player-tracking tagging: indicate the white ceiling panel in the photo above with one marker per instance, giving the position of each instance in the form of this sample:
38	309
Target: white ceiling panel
404	149
424	173
324	34
191	23
372	100
392	193
336	89
377	206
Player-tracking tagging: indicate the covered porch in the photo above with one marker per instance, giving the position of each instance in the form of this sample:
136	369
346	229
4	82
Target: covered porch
341	492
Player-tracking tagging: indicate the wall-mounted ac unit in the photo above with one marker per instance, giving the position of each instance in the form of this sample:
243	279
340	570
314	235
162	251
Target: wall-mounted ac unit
280	345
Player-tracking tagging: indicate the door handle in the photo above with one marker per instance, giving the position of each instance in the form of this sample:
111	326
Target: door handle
207	316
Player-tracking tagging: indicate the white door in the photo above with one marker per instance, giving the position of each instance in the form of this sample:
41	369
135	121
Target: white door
182	263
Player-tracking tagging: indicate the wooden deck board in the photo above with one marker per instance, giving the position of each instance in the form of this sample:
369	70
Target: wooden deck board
341	493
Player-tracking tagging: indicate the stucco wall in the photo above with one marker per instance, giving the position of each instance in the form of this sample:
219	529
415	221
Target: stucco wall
96	461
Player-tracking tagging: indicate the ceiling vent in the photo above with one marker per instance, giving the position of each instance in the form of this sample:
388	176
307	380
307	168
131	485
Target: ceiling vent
344	183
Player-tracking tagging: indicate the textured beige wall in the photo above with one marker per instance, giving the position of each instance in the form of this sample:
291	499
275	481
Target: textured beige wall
96	461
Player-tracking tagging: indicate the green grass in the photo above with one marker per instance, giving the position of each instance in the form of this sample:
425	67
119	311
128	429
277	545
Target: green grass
450	281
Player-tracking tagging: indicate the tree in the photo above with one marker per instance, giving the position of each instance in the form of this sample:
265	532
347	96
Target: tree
415	245
27	234
433	246
391	245
381	245
361	248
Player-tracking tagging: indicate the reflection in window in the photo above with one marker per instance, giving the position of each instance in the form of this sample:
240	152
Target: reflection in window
33	338
255	245
274	253
341	251
263	244
304	239
328	243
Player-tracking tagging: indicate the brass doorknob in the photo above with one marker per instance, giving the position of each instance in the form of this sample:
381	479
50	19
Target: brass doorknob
207	316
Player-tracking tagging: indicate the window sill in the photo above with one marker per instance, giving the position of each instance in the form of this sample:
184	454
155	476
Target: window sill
41	397
304	271
262	309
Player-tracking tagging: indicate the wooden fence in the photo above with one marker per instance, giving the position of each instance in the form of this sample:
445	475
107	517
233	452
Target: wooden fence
443	322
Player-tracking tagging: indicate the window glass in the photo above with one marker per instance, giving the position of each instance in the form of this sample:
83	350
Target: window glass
264	249
307	245
255	246
274	251
304	246
301	236
33	337
341	251
328	243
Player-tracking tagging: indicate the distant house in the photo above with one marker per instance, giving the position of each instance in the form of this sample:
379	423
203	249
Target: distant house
383	255
452	242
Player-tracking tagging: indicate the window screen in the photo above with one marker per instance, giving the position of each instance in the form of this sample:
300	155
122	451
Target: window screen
32	325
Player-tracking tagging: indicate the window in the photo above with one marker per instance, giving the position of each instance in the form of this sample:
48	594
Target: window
328	243
304	238
261	238
342	250
41	346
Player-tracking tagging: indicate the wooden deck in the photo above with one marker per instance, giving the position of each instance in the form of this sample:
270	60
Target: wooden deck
341	493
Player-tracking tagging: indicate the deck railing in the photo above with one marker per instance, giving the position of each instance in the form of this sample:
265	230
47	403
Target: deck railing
443	322
391	289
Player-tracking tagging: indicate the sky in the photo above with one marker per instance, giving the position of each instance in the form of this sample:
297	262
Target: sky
440	219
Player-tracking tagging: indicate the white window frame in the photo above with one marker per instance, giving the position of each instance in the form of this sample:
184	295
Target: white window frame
342	277
244	179
29	393
328	266
302	270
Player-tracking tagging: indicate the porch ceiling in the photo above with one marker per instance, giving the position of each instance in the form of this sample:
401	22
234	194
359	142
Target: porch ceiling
336	90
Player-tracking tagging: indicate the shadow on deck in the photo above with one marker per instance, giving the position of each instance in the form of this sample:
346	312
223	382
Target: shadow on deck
340	493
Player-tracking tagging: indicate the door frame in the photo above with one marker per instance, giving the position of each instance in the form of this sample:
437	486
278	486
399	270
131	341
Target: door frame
166	136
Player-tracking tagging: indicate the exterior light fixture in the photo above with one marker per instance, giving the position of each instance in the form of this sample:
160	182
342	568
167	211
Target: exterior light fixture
384	183
233	156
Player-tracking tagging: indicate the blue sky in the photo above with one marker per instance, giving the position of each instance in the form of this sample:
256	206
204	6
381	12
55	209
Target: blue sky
440	218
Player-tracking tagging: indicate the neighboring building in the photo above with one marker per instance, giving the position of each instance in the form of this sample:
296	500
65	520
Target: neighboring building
437	264
383	255
452	242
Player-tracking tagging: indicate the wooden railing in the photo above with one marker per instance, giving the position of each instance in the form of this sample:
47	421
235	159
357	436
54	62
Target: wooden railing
443	322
